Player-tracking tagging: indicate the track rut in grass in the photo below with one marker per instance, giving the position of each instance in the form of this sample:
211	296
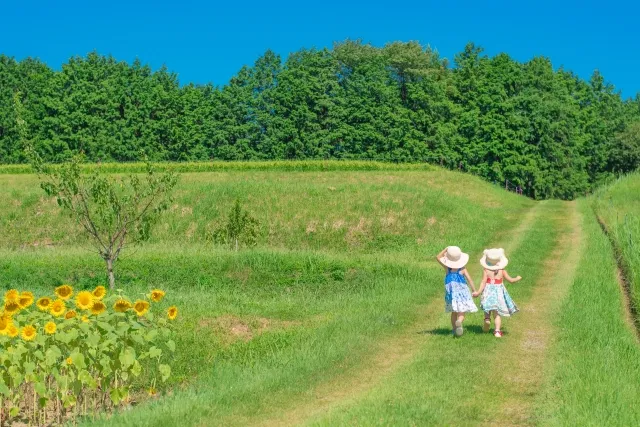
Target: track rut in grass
390	355
522	368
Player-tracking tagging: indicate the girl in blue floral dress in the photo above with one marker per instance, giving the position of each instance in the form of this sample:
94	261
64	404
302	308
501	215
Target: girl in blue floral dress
457	297
495	298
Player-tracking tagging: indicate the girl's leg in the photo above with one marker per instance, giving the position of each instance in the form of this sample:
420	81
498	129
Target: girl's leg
487	321
454	317
498	321
458	324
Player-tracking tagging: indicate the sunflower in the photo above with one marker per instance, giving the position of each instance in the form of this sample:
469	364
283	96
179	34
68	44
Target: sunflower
64	292
28	333
11	295
122	305
5	323
70	314
172	313
85	319
12	331
44	303
157	295
25	299
99	292
11	307
69	361
58	307
98	307
141	307
84	300
50	328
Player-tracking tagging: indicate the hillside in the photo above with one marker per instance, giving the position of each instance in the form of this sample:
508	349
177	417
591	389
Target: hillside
336	316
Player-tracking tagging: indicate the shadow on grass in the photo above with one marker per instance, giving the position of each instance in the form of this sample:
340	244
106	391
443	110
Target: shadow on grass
474	329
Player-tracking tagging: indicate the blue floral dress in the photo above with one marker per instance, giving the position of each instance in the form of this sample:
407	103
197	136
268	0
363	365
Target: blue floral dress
457	296
495	297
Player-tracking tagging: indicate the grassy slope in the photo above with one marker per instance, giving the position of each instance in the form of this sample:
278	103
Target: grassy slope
357	273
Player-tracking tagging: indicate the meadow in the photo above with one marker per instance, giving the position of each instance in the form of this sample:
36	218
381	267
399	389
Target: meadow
336	316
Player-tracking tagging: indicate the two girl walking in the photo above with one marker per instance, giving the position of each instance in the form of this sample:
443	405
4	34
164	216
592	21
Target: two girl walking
495	300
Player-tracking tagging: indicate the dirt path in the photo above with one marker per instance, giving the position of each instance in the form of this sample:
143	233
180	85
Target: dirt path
533	333
391	355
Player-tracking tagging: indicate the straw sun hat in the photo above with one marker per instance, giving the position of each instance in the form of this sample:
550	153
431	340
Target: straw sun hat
454	257
494	259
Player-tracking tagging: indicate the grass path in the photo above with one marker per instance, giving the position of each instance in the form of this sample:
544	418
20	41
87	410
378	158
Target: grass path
391	355
524	365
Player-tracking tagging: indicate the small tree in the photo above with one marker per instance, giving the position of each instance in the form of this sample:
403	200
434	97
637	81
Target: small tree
114	211
240	227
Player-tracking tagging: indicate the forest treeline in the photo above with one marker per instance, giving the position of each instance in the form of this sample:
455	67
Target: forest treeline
547	130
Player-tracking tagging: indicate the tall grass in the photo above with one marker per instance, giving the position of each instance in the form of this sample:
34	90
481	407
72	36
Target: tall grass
618	206
596	378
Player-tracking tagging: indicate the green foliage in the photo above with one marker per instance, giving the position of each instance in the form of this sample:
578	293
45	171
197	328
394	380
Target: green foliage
240	229
548	131
58	361
113	211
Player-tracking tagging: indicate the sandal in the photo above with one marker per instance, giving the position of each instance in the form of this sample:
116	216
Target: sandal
497	334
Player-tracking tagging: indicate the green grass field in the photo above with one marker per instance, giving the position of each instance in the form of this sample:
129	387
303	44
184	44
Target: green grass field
336	316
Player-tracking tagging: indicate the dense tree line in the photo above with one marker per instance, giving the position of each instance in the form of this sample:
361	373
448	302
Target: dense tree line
547	130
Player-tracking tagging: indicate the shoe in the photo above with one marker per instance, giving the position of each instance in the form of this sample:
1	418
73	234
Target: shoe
497	334
487	325
459	330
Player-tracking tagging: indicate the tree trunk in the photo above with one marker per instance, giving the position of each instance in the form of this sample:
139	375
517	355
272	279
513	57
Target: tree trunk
112	278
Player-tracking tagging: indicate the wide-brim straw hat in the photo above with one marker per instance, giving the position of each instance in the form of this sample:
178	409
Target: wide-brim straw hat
494	259
454	257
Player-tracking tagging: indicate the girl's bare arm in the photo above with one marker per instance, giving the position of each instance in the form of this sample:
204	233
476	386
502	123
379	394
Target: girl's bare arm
482	284
511	279
439	256
469	279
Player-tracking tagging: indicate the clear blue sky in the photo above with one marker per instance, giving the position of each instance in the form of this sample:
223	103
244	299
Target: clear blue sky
208	41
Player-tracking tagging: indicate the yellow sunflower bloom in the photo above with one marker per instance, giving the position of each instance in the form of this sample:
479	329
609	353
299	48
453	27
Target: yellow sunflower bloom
5	323
99	292
11	307
84	300
172	313
157	295
141	307
98	307
70	314
58	308
50	328
25	299
122	305
85	319
69	361
11	295
28	333
64	292
44	303
12	331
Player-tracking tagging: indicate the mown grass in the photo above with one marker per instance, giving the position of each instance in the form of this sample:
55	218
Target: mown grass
618	206
596	375
343	260
454	381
